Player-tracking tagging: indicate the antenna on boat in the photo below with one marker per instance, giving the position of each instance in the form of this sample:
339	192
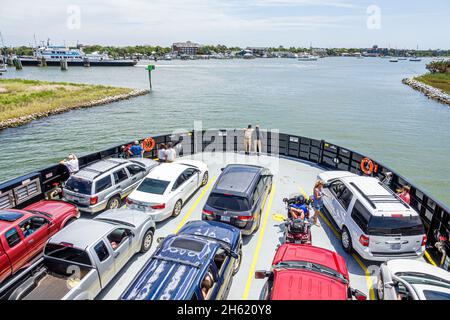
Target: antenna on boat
35	43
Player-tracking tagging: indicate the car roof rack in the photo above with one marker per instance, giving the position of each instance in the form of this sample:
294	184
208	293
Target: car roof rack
363	195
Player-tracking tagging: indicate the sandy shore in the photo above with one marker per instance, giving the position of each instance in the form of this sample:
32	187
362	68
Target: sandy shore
15	122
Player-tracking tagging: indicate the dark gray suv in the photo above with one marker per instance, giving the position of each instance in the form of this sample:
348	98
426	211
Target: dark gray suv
238	197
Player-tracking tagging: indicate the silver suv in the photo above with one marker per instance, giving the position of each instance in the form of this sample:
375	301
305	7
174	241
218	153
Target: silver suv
104	184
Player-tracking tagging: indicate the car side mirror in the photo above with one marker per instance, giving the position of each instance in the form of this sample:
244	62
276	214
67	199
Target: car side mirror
326	185
389	285
221	169
160	239
359	295
261	274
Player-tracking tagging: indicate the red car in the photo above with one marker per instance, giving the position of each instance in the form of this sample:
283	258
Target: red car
23	233
305	272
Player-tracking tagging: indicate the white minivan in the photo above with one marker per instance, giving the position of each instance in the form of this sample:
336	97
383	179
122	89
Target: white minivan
373	220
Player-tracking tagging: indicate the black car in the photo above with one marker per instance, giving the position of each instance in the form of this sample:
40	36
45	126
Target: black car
238	197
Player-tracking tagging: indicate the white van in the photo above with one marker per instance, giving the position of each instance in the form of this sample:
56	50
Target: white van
373	220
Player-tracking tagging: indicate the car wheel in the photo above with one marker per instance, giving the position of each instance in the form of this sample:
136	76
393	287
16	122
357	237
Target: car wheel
346	240
205	179
177	208
380	289
237	263
113	203
147	241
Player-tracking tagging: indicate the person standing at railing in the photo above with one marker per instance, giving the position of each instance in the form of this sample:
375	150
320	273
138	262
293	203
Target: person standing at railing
136	150
248	139
71	163
162	153
405	194
258	140
171	154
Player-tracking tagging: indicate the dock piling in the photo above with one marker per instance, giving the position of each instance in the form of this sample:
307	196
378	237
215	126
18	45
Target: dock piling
86	62
17	63
42	62
64	65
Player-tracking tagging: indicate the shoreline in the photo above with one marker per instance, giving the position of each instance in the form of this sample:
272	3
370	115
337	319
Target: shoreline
16	122
429	91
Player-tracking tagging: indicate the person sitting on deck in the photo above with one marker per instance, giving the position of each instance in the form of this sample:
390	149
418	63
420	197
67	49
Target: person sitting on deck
136	150
299	210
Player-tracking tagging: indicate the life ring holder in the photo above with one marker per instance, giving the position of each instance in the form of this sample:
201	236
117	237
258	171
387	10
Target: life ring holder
148	144
368	166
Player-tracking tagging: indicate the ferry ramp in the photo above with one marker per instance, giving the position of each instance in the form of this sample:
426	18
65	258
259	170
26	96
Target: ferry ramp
290	176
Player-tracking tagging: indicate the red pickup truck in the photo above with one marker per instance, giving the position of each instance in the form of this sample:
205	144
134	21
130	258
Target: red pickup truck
23	233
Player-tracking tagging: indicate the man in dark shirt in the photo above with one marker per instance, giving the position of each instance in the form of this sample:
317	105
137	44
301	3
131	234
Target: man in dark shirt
258	139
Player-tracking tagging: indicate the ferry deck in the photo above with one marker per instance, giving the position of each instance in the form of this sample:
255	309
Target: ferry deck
259	249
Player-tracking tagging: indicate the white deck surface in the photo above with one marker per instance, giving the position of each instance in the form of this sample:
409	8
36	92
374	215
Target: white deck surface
289	177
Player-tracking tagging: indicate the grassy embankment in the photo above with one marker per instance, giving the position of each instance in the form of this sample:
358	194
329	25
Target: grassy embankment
22	98
437	80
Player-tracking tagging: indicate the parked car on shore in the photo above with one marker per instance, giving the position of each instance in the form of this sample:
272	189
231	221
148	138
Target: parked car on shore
104	184
80	260
412	280
305	272
23	233
238	197
165	189
198	263
374	221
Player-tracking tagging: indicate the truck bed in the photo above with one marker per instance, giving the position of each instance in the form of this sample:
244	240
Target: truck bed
50	287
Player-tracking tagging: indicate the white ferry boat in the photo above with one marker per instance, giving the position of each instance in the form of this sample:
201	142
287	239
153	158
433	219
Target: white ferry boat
75	57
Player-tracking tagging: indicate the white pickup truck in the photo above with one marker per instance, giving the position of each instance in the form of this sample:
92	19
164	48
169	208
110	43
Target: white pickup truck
83	258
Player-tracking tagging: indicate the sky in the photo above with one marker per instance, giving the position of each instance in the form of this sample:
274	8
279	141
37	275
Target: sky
299	23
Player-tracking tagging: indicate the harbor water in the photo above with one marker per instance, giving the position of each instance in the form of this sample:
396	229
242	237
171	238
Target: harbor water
357	103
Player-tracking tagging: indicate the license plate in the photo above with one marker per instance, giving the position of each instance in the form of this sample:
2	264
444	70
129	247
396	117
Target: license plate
396	246
225	219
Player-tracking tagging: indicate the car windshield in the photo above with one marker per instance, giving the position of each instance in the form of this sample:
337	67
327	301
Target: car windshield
423	278
227	202
312	267
154	186
68	253
79	185
406	226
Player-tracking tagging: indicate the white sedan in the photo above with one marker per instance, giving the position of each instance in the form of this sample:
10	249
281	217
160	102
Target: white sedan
403	279
166	188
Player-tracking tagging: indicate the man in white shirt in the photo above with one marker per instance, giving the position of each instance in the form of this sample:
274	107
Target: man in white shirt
171	154
71	164
248	139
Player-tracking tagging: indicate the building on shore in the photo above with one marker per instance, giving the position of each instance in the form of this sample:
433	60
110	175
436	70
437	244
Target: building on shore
185	48
375	51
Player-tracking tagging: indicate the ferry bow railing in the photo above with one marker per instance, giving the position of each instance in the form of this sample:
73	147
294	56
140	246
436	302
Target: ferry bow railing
32	187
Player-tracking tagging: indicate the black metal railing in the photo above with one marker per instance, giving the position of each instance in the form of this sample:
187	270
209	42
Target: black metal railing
435	215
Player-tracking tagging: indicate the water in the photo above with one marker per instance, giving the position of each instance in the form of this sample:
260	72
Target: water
357	103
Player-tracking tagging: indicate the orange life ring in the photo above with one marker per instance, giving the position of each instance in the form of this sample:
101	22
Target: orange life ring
367	166
148	144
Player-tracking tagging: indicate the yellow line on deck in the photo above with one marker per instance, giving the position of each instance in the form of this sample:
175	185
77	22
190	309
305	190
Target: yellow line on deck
258	245
195	204
357	259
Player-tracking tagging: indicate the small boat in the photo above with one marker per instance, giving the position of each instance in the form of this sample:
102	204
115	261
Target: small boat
415	59
307	57
402	58
393	60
